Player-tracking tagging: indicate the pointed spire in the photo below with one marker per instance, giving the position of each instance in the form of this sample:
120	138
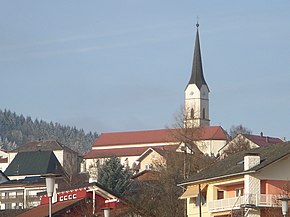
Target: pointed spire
197	71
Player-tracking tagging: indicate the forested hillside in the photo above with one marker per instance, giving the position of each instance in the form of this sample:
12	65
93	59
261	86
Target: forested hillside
16	130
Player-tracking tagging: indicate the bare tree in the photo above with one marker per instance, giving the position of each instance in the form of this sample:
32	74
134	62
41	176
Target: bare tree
159	197
235	130
186	132
237	145
189	135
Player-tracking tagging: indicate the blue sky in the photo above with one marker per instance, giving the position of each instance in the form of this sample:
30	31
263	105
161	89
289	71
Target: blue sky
123	65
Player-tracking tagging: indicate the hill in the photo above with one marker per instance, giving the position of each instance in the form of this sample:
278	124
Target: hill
16	130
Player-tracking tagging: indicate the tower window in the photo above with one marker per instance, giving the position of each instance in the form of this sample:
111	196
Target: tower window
192	113
203	113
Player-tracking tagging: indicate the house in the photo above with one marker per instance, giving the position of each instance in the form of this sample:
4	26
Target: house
129	146
21	194
151	158
24	172
154	157
88	199
69	159
249	182
253	141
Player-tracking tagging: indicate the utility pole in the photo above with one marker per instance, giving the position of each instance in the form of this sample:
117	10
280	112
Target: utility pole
199	198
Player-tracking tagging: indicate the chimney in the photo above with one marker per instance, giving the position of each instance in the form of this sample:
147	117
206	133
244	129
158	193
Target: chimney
267	139
251	160
262	134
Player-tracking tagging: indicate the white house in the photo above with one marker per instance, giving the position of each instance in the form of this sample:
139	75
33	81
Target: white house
69	159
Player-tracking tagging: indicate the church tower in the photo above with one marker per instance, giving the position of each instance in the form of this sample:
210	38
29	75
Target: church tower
197	92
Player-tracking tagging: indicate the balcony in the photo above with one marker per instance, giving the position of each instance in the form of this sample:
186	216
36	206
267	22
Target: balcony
11	199
249	200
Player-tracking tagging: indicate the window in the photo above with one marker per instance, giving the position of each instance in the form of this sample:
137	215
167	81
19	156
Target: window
147	167
192	200
192	113
195	200
6	194
8	205
203	113
239	192
17	206
220	194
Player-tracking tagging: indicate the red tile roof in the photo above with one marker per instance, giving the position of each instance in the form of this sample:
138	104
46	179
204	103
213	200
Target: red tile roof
156	136
262	140
121	152
42	210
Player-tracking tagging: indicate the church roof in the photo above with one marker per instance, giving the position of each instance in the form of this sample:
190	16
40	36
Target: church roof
197	70
136	143
156	136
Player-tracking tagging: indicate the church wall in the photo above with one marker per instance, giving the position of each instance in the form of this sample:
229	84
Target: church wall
211	146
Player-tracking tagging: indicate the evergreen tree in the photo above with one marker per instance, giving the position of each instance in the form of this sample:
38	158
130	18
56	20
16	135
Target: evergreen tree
16	130
113	175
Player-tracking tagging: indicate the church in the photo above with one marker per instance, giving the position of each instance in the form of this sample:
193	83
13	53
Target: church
129	146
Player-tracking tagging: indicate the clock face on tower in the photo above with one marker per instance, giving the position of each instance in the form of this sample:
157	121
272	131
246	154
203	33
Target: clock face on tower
191	93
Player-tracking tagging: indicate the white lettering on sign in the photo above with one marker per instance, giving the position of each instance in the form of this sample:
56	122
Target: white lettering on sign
68	197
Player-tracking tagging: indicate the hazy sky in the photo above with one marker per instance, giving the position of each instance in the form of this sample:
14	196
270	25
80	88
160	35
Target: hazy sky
124	64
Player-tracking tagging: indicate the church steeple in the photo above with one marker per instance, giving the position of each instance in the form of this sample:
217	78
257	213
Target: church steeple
197	92
197	70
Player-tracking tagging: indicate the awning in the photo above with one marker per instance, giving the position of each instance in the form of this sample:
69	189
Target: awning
192	191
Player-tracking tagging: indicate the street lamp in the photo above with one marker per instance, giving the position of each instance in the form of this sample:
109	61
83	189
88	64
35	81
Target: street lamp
284	205
50	182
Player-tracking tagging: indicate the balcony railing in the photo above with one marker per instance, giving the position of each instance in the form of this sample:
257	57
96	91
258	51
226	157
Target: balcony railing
19	198
32	198
250	200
